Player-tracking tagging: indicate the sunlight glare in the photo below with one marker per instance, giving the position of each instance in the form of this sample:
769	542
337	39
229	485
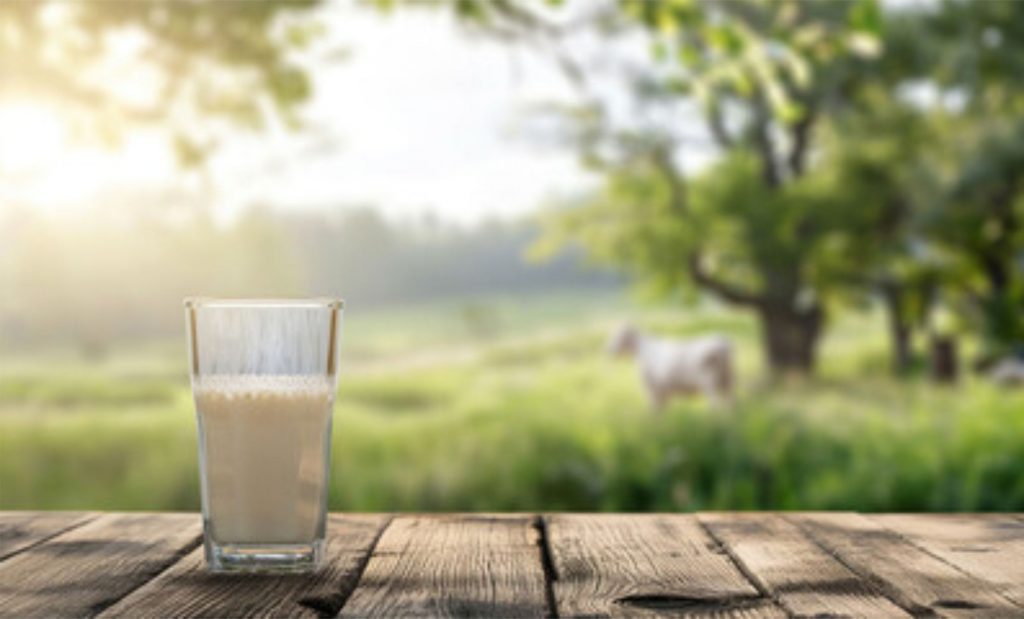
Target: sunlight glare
31	136
43	165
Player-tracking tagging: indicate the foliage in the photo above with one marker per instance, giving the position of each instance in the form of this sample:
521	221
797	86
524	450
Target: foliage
836	178
180	64
973	55
793	57
752	236
983	219
973	48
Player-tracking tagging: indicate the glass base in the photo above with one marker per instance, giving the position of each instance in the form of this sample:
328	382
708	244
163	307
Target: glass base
264	557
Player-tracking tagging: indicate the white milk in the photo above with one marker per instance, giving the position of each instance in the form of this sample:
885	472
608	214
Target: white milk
265	444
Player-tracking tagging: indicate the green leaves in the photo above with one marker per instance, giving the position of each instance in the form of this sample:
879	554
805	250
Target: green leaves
866	28
780	52
287	86
189	152
759	223
865	16
205	62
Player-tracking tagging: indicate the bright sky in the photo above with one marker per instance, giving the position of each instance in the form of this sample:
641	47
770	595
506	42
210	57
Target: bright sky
421	117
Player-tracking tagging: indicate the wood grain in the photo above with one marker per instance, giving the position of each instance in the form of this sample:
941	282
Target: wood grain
805	579
453	566
727	565
634	565
188	589
20	530
916	580
987	546
82	571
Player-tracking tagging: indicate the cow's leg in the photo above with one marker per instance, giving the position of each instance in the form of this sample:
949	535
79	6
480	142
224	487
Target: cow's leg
716	382
656	397
716	394
725	382
711	394
658	401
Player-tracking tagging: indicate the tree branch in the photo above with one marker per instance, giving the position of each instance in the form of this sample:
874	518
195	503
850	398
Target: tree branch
662	158
801	139
717	125
763	141
678	199
727	291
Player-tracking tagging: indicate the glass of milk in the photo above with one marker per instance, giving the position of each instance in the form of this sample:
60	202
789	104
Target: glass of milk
263	377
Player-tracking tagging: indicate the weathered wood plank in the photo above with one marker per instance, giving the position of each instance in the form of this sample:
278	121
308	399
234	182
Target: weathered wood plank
988	546
82	571
20	530
188	589
802	577
453	566
634	565
64	564
914	579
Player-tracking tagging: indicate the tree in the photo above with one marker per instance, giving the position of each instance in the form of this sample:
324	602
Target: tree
983	218
758	229
181	64
972	53
881	157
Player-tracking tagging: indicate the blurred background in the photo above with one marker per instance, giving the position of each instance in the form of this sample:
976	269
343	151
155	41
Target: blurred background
493	187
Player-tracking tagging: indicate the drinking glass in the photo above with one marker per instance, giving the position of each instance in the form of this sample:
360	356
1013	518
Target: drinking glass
264	374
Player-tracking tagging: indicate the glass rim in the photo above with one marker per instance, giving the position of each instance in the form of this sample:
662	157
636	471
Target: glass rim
297	302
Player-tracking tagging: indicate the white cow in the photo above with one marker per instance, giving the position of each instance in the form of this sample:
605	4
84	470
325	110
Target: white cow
678	367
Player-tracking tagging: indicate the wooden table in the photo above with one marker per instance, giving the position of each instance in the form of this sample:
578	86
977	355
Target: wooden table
709	564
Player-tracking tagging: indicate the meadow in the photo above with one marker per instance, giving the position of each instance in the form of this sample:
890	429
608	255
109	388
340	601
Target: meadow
508	403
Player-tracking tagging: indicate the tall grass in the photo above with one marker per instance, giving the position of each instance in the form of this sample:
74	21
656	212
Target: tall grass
547	422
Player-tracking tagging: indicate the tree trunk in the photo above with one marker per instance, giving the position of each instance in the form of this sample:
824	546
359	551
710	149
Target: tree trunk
945	364
899	328
790	337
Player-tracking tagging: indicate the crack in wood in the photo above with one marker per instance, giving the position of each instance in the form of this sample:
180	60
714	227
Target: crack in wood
323	606
547	562
333	606
667	602
957	604
724	549
871	580
972	549
846	586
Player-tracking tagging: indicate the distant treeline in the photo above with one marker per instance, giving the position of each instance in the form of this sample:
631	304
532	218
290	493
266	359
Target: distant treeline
361	255
89	279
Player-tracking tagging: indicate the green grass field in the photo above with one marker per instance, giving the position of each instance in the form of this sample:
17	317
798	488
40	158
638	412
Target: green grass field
502	404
